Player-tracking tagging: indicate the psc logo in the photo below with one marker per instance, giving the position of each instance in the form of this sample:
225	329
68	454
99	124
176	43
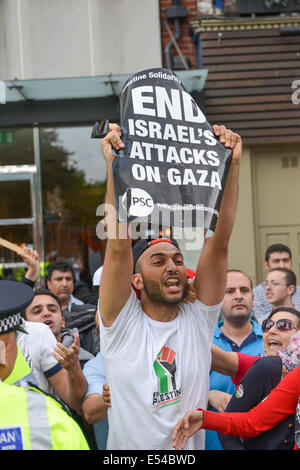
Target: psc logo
137	202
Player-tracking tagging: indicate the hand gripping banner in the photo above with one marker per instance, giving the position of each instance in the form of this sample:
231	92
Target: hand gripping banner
172	170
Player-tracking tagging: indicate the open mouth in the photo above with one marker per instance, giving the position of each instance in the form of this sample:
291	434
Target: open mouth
48	323
173	284
274	344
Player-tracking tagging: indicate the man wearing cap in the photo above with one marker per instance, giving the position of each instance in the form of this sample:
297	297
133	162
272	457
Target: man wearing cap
29	420
156	351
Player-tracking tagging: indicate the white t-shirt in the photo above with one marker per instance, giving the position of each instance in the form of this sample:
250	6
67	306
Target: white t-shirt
156	372
37	347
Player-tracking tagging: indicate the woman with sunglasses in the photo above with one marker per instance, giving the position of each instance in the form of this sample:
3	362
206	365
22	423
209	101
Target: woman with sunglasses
262	377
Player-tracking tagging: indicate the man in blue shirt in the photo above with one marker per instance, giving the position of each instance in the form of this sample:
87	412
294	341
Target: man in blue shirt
236	332
93	407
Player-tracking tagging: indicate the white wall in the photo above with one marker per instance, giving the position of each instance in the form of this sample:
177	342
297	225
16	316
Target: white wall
242	242
71	38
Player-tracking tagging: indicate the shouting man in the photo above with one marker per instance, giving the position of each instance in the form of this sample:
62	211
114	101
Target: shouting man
156	351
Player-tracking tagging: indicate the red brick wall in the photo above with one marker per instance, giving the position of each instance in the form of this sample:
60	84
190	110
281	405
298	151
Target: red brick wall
185	43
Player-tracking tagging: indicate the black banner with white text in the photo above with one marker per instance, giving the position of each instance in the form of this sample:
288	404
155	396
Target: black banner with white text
172	169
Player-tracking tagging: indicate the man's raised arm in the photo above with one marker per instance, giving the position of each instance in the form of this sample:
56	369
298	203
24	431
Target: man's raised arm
224	362
116	278
211	271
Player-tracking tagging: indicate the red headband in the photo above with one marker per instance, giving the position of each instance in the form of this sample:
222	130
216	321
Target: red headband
157	240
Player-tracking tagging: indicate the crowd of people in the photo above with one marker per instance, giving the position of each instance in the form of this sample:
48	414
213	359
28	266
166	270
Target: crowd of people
162	354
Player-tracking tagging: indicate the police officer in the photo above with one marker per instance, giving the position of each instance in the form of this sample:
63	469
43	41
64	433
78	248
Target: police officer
29	419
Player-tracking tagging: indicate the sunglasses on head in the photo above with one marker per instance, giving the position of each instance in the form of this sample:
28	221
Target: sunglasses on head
281	325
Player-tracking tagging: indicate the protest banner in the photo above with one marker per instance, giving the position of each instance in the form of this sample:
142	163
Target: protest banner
172	169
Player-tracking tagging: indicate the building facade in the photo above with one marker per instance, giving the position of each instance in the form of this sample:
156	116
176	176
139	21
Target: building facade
62	67
251	51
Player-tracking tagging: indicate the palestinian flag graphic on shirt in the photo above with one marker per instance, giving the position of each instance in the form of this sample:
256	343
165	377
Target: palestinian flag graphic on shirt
165	369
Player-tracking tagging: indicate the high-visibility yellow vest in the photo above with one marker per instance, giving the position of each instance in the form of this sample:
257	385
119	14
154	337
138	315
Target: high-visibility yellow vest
43	269
31	420
20	372
18	273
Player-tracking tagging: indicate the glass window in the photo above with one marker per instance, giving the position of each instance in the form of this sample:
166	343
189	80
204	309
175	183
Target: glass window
16	147
15	199
11	264
73	186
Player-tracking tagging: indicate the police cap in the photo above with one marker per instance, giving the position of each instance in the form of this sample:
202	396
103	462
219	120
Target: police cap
14	297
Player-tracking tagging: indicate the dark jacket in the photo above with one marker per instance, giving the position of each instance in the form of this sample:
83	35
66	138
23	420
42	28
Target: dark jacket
82	317
68	336
255	386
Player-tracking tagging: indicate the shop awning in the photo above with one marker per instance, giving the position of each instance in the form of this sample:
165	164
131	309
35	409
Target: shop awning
73	100
86	87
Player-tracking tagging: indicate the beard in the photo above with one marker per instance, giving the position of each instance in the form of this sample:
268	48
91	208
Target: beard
237	320
156	295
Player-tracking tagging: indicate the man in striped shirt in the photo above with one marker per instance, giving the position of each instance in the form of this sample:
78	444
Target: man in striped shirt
277	256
